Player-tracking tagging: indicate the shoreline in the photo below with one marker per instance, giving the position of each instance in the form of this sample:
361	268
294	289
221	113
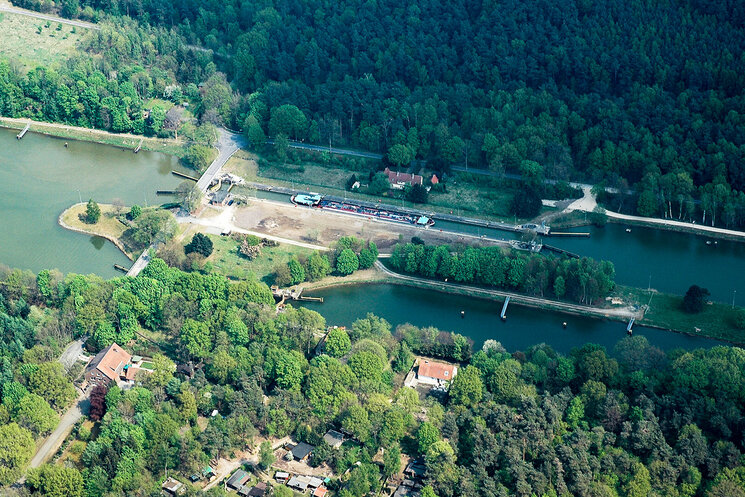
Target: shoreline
125	141
108	237
380	277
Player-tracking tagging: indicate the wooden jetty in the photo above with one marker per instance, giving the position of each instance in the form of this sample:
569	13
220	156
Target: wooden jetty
121	268
284	294
23	131
561	251
166	192
629	328
568	233
139	146
182	175
503	314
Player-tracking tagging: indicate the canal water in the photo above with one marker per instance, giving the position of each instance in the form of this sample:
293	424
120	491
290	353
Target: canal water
524	326
39	178
665	260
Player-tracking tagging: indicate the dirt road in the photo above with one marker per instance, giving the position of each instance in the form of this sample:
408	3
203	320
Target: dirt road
322	227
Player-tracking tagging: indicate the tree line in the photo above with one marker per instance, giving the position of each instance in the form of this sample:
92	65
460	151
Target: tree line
582	280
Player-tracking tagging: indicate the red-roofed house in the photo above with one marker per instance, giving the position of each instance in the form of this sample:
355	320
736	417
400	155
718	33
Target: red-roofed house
435	373
399	180
111	364
434	179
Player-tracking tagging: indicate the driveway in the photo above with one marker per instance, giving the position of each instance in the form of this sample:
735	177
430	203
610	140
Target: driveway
72	353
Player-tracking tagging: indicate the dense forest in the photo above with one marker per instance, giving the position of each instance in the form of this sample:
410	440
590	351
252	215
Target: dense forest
581	280
643	93
634	422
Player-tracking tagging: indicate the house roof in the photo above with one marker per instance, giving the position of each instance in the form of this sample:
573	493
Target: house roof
438	370
111	361
320	492
236	480
281	475
172	485
301	450
396	177
333	438
132	372
298	482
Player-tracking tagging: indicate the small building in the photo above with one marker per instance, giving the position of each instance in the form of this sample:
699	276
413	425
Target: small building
435	373
220	197
314	482
301	451
400	180
405	491
320	491
109	365
173	487
245	491
434	179
299	483
281	476
259	490
238	479
415	470
333	438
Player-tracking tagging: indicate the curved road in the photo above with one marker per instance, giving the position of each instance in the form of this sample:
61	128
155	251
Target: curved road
621	313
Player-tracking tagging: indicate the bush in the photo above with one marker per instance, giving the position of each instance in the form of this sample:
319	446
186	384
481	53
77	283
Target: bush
526	204
297	271
200	243
92	212
418	194
694	299
197	157
134	212
347	262
338	342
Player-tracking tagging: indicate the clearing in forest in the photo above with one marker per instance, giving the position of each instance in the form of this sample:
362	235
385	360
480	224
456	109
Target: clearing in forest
36	42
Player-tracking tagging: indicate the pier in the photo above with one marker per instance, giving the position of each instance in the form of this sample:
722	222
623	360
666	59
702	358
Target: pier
284	294
23	131
139	146
121	268
183	175
166	192
629	328
568	233
561	251
503	314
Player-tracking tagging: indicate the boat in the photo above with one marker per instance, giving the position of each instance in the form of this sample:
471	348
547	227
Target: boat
526	246
541	229
319	201
628	230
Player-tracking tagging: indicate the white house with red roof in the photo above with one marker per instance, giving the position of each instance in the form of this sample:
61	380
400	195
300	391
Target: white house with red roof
435	373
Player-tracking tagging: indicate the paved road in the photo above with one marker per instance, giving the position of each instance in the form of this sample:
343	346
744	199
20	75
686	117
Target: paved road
141	262
68	420
623	313
338	151
228	143
31	13
72	353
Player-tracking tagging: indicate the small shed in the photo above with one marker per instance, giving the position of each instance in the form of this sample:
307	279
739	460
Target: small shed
259	490
173	486
333	438
238	479
320	492
281	476
298	483
301	451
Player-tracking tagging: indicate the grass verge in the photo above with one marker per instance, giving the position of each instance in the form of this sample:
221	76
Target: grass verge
665	311
108	226
36	42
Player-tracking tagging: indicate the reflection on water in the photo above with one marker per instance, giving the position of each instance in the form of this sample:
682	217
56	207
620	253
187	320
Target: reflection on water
39	178
98	242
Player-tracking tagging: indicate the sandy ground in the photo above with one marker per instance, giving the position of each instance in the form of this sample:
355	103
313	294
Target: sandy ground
299	223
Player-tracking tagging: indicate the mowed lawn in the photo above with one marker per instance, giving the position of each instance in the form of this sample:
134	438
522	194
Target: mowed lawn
226	259
23	42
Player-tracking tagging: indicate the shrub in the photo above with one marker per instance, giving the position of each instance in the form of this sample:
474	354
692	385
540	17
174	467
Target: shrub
92	212
694	299
200	243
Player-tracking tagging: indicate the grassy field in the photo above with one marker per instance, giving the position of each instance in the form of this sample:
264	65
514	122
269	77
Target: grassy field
108	226
666	311
23	41
226	260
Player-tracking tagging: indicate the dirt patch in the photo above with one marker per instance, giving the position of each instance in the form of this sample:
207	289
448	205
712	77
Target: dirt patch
325	227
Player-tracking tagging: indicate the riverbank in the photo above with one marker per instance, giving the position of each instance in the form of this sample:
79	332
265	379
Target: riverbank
108	226
124	140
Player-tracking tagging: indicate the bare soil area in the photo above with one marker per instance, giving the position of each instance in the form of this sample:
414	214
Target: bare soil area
324	227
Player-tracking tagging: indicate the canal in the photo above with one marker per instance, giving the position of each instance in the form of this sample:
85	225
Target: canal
524	326
39	178
668	261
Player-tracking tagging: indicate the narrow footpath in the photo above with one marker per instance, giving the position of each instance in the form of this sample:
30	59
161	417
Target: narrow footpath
588	203
621	313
